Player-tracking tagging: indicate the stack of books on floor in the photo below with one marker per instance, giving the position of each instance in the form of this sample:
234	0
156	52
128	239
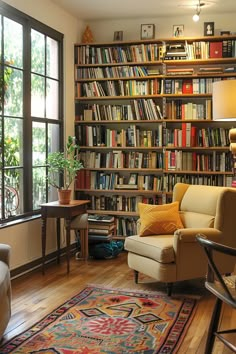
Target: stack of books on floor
101	227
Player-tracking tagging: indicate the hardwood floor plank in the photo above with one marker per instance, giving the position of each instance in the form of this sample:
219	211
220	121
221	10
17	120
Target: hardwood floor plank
35	295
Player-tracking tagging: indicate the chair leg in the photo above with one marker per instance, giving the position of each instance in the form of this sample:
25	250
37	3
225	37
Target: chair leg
136	276
213	327
169	288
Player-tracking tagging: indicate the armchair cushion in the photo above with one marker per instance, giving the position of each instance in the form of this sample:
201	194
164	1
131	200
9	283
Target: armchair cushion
159	219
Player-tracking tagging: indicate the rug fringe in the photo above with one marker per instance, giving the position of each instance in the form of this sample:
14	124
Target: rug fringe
140	291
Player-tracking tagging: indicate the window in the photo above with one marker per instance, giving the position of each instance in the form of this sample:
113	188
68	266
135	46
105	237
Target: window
31	110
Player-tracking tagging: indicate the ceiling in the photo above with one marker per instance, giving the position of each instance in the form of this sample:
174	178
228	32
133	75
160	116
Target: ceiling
118	9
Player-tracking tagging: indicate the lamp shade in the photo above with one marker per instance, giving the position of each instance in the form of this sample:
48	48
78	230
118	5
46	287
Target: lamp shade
224	100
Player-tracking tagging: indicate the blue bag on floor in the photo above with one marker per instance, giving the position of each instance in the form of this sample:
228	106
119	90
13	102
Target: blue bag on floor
105	250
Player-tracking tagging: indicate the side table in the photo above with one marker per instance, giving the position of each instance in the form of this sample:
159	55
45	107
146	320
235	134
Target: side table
58	211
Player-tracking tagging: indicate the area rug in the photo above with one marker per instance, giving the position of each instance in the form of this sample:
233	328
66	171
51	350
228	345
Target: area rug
104	320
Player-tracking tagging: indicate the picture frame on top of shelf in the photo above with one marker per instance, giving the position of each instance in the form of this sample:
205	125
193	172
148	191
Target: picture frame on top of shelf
209	28
178	30
147	31
118	36
225	33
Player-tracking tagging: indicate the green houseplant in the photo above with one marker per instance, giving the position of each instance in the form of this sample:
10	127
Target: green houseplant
63	167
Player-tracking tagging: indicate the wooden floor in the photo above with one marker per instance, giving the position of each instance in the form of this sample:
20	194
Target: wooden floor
35	295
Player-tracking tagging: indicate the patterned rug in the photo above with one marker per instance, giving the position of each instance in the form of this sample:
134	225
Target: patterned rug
102	320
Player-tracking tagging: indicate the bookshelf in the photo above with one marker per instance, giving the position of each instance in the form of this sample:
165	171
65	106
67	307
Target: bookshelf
143	112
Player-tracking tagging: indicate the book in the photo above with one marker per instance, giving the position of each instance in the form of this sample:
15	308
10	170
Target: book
126	186
215	50
102	218
99	231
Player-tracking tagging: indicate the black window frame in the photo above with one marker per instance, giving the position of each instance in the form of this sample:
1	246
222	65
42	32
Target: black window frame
28	23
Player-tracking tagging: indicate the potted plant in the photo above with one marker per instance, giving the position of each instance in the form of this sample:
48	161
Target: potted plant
63	168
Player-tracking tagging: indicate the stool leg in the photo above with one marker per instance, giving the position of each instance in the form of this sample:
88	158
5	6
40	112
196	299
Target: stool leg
86	252
213	326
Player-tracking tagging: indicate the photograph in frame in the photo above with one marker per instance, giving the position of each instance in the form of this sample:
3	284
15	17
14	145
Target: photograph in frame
178	30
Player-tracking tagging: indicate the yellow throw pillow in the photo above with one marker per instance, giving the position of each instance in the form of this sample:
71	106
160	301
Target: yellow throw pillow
159	219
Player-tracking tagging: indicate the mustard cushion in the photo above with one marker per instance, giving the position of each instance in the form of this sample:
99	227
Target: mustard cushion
159	219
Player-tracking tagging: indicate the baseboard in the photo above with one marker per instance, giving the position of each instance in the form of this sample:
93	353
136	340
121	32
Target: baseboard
37	263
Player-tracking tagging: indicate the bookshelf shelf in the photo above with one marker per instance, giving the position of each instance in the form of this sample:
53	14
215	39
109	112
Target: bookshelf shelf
150	100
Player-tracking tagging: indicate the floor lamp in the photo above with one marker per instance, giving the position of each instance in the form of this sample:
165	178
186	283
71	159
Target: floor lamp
224	109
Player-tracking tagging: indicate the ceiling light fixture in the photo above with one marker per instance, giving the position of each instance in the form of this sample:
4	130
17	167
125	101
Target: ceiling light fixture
198	10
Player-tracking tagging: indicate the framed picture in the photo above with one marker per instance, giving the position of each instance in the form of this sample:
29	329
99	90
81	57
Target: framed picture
178	30
133	178
147	31
209	28
224	33
118	36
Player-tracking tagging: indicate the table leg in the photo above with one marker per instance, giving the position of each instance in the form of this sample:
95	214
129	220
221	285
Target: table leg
58	240
44	227
67	222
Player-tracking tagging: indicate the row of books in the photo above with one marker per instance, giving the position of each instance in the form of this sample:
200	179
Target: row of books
119	88
89	54
110	181
132	136
167	183
192	136
121	203
225	48
180	109
179	160
208	180
189	86
140	109
122	159
114	72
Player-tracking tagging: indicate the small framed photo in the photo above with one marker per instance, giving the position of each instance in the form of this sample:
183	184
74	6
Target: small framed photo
118	36
209	28
133	178
178	30
147	31
224	33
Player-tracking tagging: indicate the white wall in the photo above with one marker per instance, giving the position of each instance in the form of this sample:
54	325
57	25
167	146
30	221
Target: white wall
25	238
104	30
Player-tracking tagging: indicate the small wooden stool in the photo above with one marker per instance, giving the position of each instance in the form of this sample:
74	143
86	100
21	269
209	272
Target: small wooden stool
80	223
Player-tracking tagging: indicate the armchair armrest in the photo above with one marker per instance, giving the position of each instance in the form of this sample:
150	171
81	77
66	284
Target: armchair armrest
5	253
189	235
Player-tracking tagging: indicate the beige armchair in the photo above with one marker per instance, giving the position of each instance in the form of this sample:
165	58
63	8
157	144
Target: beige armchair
176	257
5	288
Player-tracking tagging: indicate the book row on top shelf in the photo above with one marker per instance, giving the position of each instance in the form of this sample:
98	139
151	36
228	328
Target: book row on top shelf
181	48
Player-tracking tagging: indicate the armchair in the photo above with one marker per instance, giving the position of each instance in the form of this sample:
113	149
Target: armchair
169	258
5	288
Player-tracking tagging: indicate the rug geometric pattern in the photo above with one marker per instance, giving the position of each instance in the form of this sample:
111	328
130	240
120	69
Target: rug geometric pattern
101	320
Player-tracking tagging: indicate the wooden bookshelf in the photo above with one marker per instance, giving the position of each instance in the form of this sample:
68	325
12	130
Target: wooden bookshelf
131	100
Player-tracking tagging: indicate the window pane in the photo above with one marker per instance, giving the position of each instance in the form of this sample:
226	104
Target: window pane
39	186
13	142
53	145
39	140
37	52
13	193
52	99
52	58
37	96
13	105
13	42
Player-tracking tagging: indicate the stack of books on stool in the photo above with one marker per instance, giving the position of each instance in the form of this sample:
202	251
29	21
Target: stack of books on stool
101	227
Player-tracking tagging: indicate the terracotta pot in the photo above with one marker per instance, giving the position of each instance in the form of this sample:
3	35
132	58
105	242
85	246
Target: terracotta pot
64	196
